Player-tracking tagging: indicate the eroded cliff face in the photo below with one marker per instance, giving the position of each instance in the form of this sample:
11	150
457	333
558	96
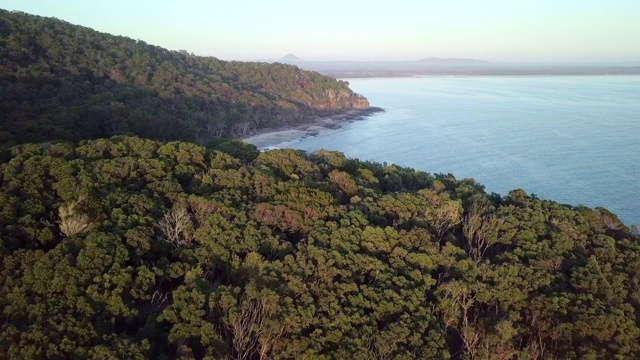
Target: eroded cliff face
360	102
342	99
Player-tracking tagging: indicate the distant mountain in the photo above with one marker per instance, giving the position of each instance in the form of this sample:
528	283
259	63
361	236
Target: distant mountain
452	61
290	58
60	81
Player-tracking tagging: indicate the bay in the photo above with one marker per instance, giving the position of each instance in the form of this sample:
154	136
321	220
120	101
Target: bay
575	140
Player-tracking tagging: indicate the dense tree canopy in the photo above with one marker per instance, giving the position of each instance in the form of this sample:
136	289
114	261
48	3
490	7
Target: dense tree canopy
132	248
61	81
124	247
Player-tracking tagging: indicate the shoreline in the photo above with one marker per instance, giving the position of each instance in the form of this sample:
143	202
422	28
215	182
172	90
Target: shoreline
271	138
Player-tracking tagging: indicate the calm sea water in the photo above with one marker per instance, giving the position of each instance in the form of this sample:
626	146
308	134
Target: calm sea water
575	140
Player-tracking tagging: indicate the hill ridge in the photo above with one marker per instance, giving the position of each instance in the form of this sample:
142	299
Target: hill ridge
68	82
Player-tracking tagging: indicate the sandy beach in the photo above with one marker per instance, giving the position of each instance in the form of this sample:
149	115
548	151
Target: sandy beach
273	138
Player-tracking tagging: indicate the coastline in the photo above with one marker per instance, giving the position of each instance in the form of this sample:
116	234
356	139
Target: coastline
270	138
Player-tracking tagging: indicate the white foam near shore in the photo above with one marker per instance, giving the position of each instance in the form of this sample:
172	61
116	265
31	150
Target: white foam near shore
282	138
275	138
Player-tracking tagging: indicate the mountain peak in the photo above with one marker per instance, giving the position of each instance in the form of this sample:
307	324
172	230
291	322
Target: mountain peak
290	57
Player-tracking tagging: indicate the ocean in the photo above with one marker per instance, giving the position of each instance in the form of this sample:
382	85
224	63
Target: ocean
574	139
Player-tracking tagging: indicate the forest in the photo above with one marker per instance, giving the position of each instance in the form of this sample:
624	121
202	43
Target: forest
60	81
141	249
132	228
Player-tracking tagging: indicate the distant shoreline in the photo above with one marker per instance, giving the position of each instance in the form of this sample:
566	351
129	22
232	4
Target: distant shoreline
340	76
268	138
378	69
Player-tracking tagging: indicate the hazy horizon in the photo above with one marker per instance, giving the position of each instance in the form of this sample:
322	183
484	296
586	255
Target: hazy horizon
541	31
488	62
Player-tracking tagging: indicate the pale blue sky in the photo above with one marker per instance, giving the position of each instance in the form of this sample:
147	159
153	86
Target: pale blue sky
495	30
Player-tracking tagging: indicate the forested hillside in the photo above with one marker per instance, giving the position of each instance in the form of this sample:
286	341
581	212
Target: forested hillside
131	248
62	81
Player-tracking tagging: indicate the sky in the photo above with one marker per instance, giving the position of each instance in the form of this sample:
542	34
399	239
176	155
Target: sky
372	30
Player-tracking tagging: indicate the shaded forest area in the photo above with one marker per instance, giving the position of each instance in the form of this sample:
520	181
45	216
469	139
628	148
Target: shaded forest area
65	82
132	248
